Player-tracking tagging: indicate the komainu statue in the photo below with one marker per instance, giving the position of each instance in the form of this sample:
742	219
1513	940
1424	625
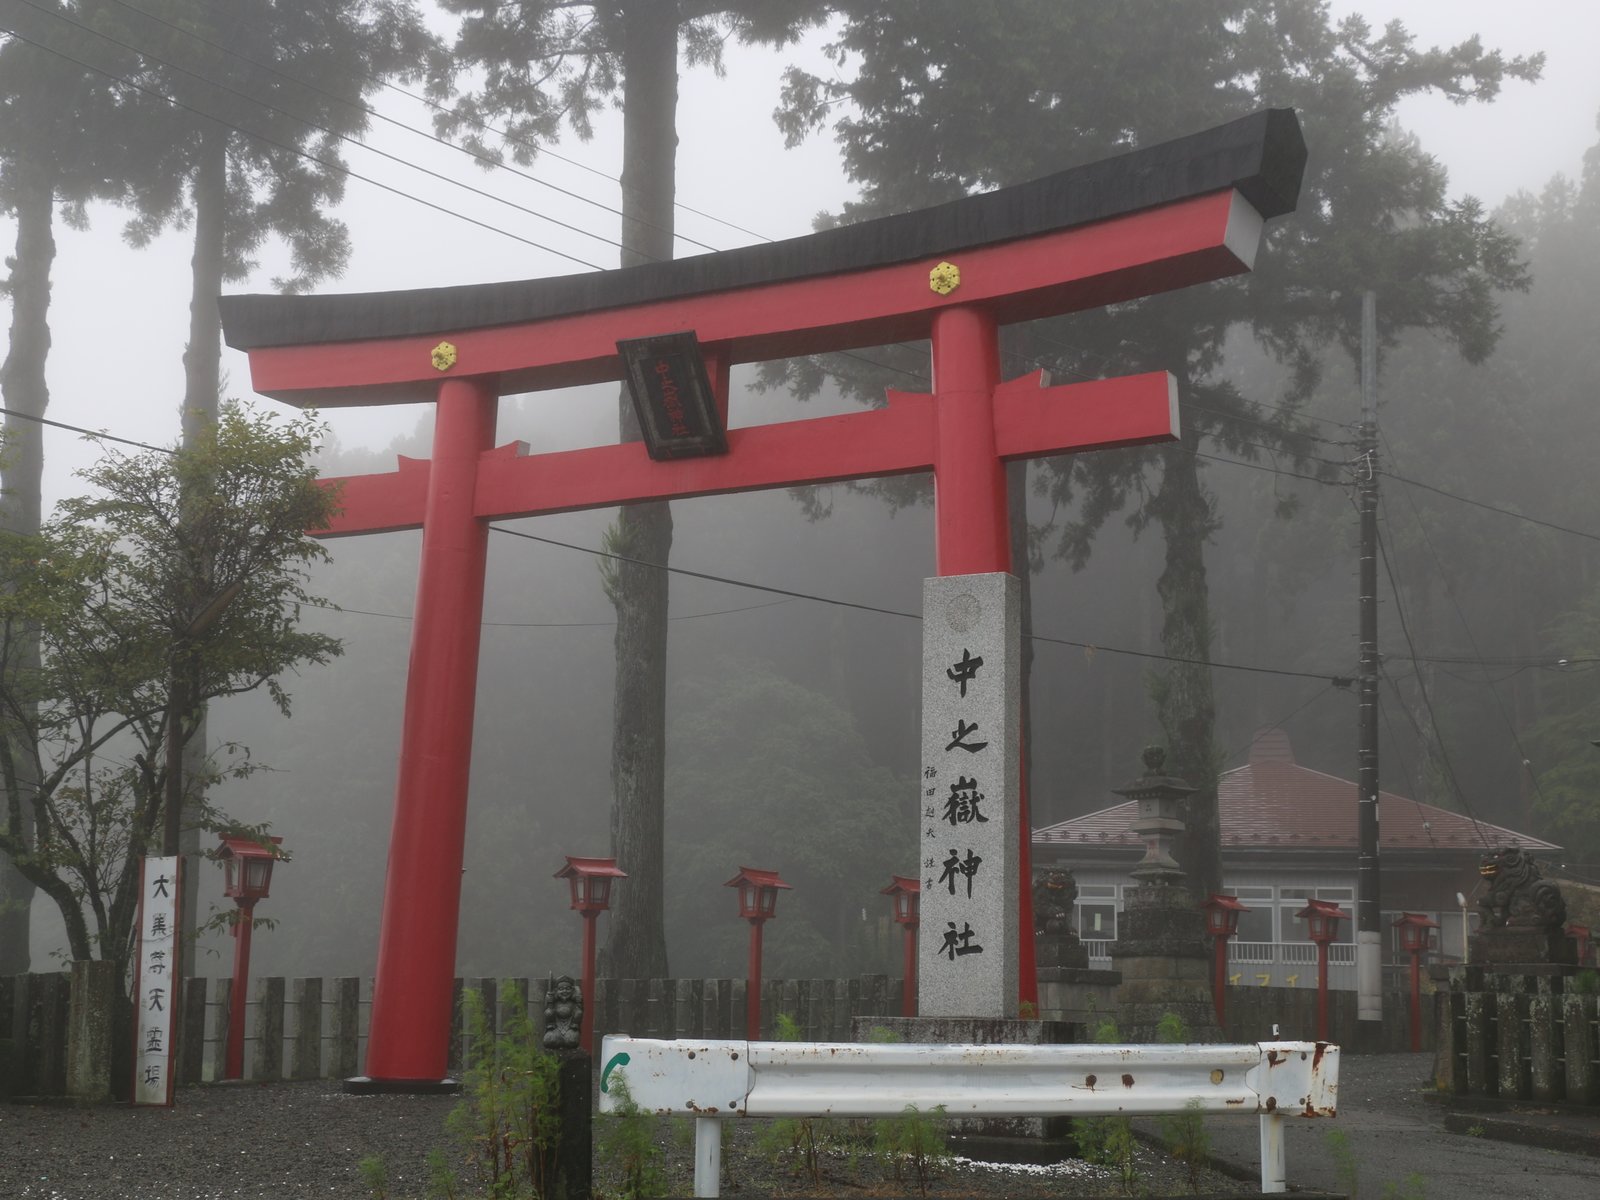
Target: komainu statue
1056	945
1054	894
563	1013
1518	896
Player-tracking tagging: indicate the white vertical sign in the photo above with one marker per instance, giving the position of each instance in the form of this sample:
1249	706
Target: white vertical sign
968	800
155	999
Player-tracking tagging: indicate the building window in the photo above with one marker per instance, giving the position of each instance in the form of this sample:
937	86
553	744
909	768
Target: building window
1097	922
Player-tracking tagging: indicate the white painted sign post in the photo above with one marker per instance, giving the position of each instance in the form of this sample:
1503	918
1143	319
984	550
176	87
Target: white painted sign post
968	805
156	994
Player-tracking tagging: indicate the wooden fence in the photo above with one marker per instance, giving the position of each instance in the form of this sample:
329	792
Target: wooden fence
316	1028
1520	1038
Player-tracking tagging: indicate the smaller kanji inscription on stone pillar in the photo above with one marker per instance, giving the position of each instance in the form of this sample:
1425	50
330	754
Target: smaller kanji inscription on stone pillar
968	795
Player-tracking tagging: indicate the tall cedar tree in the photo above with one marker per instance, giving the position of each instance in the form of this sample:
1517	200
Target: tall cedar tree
939	98
547	64
112	586
66	139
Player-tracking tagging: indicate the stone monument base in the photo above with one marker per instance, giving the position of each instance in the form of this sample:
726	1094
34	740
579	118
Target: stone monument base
987	1139
1511	947
1166	967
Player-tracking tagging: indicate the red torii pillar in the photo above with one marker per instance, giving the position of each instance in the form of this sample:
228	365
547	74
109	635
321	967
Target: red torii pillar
1088	237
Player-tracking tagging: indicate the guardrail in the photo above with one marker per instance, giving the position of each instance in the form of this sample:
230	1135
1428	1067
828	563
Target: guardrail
717	1080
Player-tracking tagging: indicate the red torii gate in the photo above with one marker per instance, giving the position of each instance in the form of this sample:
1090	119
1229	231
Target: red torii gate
1183	212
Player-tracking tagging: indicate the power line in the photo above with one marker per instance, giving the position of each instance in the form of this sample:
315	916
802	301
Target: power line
721	612
1511	726
309	124
94	433
332	166
1428	487
891	612
1422	690
485	159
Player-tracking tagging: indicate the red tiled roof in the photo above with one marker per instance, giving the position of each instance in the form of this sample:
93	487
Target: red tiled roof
1274	803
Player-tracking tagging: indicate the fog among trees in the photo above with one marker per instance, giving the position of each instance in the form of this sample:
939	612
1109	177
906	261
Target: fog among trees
792	723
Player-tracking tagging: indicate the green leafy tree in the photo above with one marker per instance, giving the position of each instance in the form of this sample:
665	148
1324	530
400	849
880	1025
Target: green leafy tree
117	588
546	64
64	141
934	100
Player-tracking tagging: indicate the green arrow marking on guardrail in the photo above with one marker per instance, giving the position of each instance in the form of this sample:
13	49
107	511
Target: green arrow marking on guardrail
619	1059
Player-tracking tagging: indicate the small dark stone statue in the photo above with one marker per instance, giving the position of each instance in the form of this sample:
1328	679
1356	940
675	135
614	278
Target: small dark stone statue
1057	945
1518	896
563	1013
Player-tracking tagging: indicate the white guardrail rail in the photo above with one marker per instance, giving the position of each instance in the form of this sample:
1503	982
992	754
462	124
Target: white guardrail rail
717	1080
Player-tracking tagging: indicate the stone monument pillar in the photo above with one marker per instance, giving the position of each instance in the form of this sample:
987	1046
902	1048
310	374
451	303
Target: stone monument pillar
969	813
1161	948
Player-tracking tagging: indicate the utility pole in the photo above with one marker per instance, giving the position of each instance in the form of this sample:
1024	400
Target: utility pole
1369	930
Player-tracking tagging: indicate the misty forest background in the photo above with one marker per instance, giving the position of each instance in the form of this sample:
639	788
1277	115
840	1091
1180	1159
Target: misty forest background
793	723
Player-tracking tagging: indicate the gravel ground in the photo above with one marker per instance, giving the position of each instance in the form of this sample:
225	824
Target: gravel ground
295	1140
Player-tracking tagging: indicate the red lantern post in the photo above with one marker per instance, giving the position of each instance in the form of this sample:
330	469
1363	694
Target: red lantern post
907	895
246	878
1416	938
1322	919
590	881
758	903
1222	922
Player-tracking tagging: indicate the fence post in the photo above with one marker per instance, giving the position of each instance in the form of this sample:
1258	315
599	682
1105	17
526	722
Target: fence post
93	998
455	1063
221	1004
346	1031
686	1007
1511	1044
1547	1080
1482	1015
267	1063
733	1015
306	1059
1577	1017
44	1033
192	1030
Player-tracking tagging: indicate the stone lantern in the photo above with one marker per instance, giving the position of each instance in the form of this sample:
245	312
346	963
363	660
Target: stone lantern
1160	819
1161	950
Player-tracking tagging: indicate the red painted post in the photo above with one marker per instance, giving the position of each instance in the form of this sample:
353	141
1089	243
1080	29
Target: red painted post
1416	1001
233	1065
972	527
586	1027
1322	991
1219	983
752	997
409	1039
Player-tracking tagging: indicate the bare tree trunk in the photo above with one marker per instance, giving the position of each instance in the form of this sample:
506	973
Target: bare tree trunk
24	390
637	945
202	383
1183	694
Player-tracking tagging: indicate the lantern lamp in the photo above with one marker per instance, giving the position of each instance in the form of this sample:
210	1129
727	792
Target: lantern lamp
758	903
1222	922
1222	914
758	893
246	878
1416	938
247	867
1322	922
589	880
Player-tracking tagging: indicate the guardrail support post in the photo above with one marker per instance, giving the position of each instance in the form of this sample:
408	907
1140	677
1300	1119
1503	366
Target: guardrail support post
707	1156
1274	1177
